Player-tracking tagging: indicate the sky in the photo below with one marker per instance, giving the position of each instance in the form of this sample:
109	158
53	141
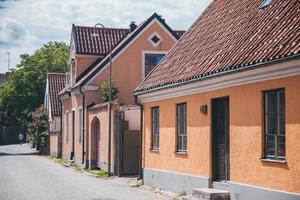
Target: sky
25	25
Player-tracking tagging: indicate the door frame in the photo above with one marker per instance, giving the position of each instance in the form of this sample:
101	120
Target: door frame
213	145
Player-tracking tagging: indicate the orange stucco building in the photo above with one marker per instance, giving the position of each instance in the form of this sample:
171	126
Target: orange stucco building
220	110
134	53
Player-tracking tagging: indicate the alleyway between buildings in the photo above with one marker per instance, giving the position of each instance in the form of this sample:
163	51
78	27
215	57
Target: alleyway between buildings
27	176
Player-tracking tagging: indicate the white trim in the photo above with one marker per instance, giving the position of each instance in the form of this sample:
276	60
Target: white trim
80	107
64	97
143	59
90	88
73	109
158	36
128	45
275	71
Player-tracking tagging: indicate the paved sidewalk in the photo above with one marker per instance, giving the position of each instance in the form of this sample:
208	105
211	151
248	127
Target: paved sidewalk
27	176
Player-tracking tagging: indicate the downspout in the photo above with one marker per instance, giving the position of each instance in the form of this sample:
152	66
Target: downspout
83	123
141	138
59	137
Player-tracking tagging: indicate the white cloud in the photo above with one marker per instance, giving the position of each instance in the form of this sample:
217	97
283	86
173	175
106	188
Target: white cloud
26	25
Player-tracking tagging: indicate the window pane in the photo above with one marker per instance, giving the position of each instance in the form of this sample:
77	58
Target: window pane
184	143
281	101
281	146
281	124
155	127
271	102
151	60
270	146
181	127
270	123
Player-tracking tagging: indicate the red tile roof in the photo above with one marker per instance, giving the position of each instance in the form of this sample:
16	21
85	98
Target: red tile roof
56	82
86	43
229	34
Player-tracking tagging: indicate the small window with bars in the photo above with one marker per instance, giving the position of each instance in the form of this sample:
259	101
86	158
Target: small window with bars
274	124
154	128
181	128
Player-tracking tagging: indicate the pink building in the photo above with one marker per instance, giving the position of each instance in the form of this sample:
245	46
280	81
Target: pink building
135	52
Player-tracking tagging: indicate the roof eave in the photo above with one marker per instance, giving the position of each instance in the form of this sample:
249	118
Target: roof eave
234	69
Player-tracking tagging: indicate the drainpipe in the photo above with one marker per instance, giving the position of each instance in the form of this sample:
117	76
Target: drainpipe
141	138
83	123
59	137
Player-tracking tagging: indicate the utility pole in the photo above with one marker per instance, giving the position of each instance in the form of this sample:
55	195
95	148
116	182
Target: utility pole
8	60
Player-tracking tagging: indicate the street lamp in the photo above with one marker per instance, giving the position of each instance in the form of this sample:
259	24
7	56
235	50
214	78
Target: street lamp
95	34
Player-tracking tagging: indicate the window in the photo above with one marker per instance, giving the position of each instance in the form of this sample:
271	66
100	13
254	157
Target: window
181	128
151	60
67	127
73	76
155	128
274	118
265	4
155	39
80	124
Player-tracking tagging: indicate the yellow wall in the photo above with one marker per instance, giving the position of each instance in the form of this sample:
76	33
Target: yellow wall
246	136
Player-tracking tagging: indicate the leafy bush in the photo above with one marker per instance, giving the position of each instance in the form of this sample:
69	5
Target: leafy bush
104	87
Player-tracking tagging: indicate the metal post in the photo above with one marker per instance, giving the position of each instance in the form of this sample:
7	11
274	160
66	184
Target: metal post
109	114
109	102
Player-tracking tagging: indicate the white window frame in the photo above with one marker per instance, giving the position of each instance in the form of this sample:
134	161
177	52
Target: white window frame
144	57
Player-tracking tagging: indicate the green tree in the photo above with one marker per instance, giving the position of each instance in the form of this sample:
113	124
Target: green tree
37	128
104	87
26	87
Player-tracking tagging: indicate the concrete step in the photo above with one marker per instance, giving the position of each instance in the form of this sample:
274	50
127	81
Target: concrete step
188	197
220	185
210	194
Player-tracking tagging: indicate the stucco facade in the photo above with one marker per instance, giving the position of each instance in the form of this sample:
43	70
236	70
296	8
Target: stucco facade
246	137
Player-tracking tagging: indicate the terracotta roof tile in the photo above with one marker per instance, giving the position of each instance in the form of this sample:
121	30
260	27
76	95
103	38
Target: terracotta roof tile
56	82
230	34
100	44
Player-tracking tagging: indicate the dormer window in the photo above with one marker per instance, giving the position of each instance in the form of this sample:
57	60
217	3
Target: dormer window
265	4
155	39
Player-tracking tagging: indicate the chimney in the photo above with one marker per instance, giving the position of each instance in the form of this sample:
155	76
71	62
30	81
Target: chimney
162	18
132	26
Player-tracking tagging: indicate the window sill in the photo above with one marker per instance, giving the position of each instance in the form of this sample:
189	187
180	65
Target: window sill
272	160
154	150
181	152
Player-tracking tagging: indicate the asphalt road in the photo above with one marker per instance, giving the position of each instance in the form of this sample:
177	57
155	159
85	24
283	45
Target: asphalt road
26	176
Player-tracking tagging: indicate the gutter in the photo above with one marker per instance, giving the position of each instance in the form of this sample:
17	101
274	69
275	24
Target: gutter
228	70
83	123
141	138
